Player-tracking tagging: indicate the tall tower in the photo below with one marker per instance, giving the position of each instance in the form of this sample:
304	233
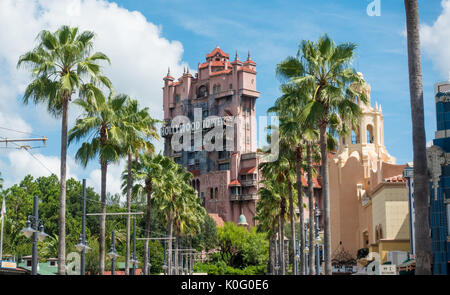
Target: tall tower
367	139
226	179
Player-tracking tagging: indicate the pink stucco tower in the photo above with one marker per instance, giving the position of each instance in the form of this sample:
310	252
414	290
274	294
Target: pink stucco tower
226	180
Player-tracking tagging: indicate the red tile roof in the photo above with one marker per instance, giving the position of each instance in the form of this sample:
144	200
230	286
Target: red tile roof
315	182
221	72
248	70
195	172
249	170
217	219
250	62
234	183
398	178
217	50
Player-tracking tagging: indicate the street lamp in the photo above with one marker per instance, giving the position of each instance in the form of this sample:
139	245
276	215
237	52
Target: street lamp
31	229
82	245
112	254
134	260
306	250
318	240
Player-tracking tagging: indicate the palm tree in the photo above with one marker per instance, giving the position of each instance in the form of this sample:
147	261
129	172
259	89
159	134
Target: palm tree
268	210
140	130
421	186
100	123
325	67
280	172
62	65
147	168
166	189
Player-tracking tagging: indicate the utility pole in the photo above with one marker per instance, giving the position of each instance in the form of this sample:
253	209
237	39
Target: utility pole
14	140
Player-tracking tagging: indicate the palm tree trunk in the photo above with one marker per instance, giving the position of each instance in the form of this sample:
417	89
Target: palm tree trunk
169	255
292	215
312	269
62	194
281	236
301	237
421	181
326	198
127	253
147	225
104	170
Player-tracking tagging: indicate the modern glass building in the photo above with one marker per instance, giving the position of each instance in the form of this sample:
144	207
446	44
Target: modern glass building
439	167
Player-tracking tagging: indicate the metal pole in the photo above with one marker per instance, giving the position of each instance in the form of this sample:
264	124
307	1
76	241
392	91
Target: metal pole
134	247
149	265
34	257
164	248
113	248
317	244
306	256
83	229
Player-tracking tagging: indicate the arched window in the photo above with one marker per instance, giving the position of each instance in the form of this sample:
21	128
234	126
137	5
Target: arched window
216	88
202	91
198	187
369	134
355	137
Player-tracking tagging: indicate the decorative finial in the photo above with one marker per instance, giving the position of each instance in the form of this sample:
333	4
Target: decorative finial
237	56
248	58
187	70
168	71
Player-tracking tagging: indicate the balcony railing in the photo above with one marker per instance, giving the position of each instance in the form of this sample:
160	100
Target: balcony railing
235	197
249	182
247	197
248	156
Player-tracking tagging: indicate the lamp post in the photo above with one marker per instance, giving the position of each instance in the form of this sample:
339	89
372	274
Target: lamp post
134	259
112	254
82	243
297	256
306	249
317	238
149	264
34	227
164	265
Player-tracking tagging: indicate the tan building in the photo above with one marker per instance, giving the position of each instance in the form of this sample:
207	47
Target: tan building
368	198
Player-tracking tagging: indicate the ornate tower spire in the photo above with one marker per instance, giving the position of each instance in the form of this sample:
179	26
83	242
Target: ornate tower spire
248	58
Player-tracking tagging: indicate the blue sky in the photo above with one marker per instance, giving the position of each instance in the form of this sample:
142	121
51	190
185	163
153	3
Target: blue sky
271	30
184	31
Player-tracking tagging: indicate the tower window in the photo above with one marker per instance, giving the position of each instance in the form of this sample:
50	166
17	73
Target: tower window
370	138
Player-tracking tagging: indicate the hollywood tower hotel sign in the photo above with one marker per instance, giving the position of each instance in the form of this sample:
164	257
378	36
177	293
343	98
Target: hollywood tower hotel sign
225	165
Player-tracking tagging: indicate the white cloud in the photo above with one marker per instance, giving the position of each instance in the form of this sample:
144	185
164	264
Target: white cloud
435	40
20	163
140	56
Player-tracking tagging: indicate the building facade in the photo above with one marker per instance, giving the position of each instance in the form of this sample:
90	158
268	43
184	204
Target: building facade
220	98
368	198
439	166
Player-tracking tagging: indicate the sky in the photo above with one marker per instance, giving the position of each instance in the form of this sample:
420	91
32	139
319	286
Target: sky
144	38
